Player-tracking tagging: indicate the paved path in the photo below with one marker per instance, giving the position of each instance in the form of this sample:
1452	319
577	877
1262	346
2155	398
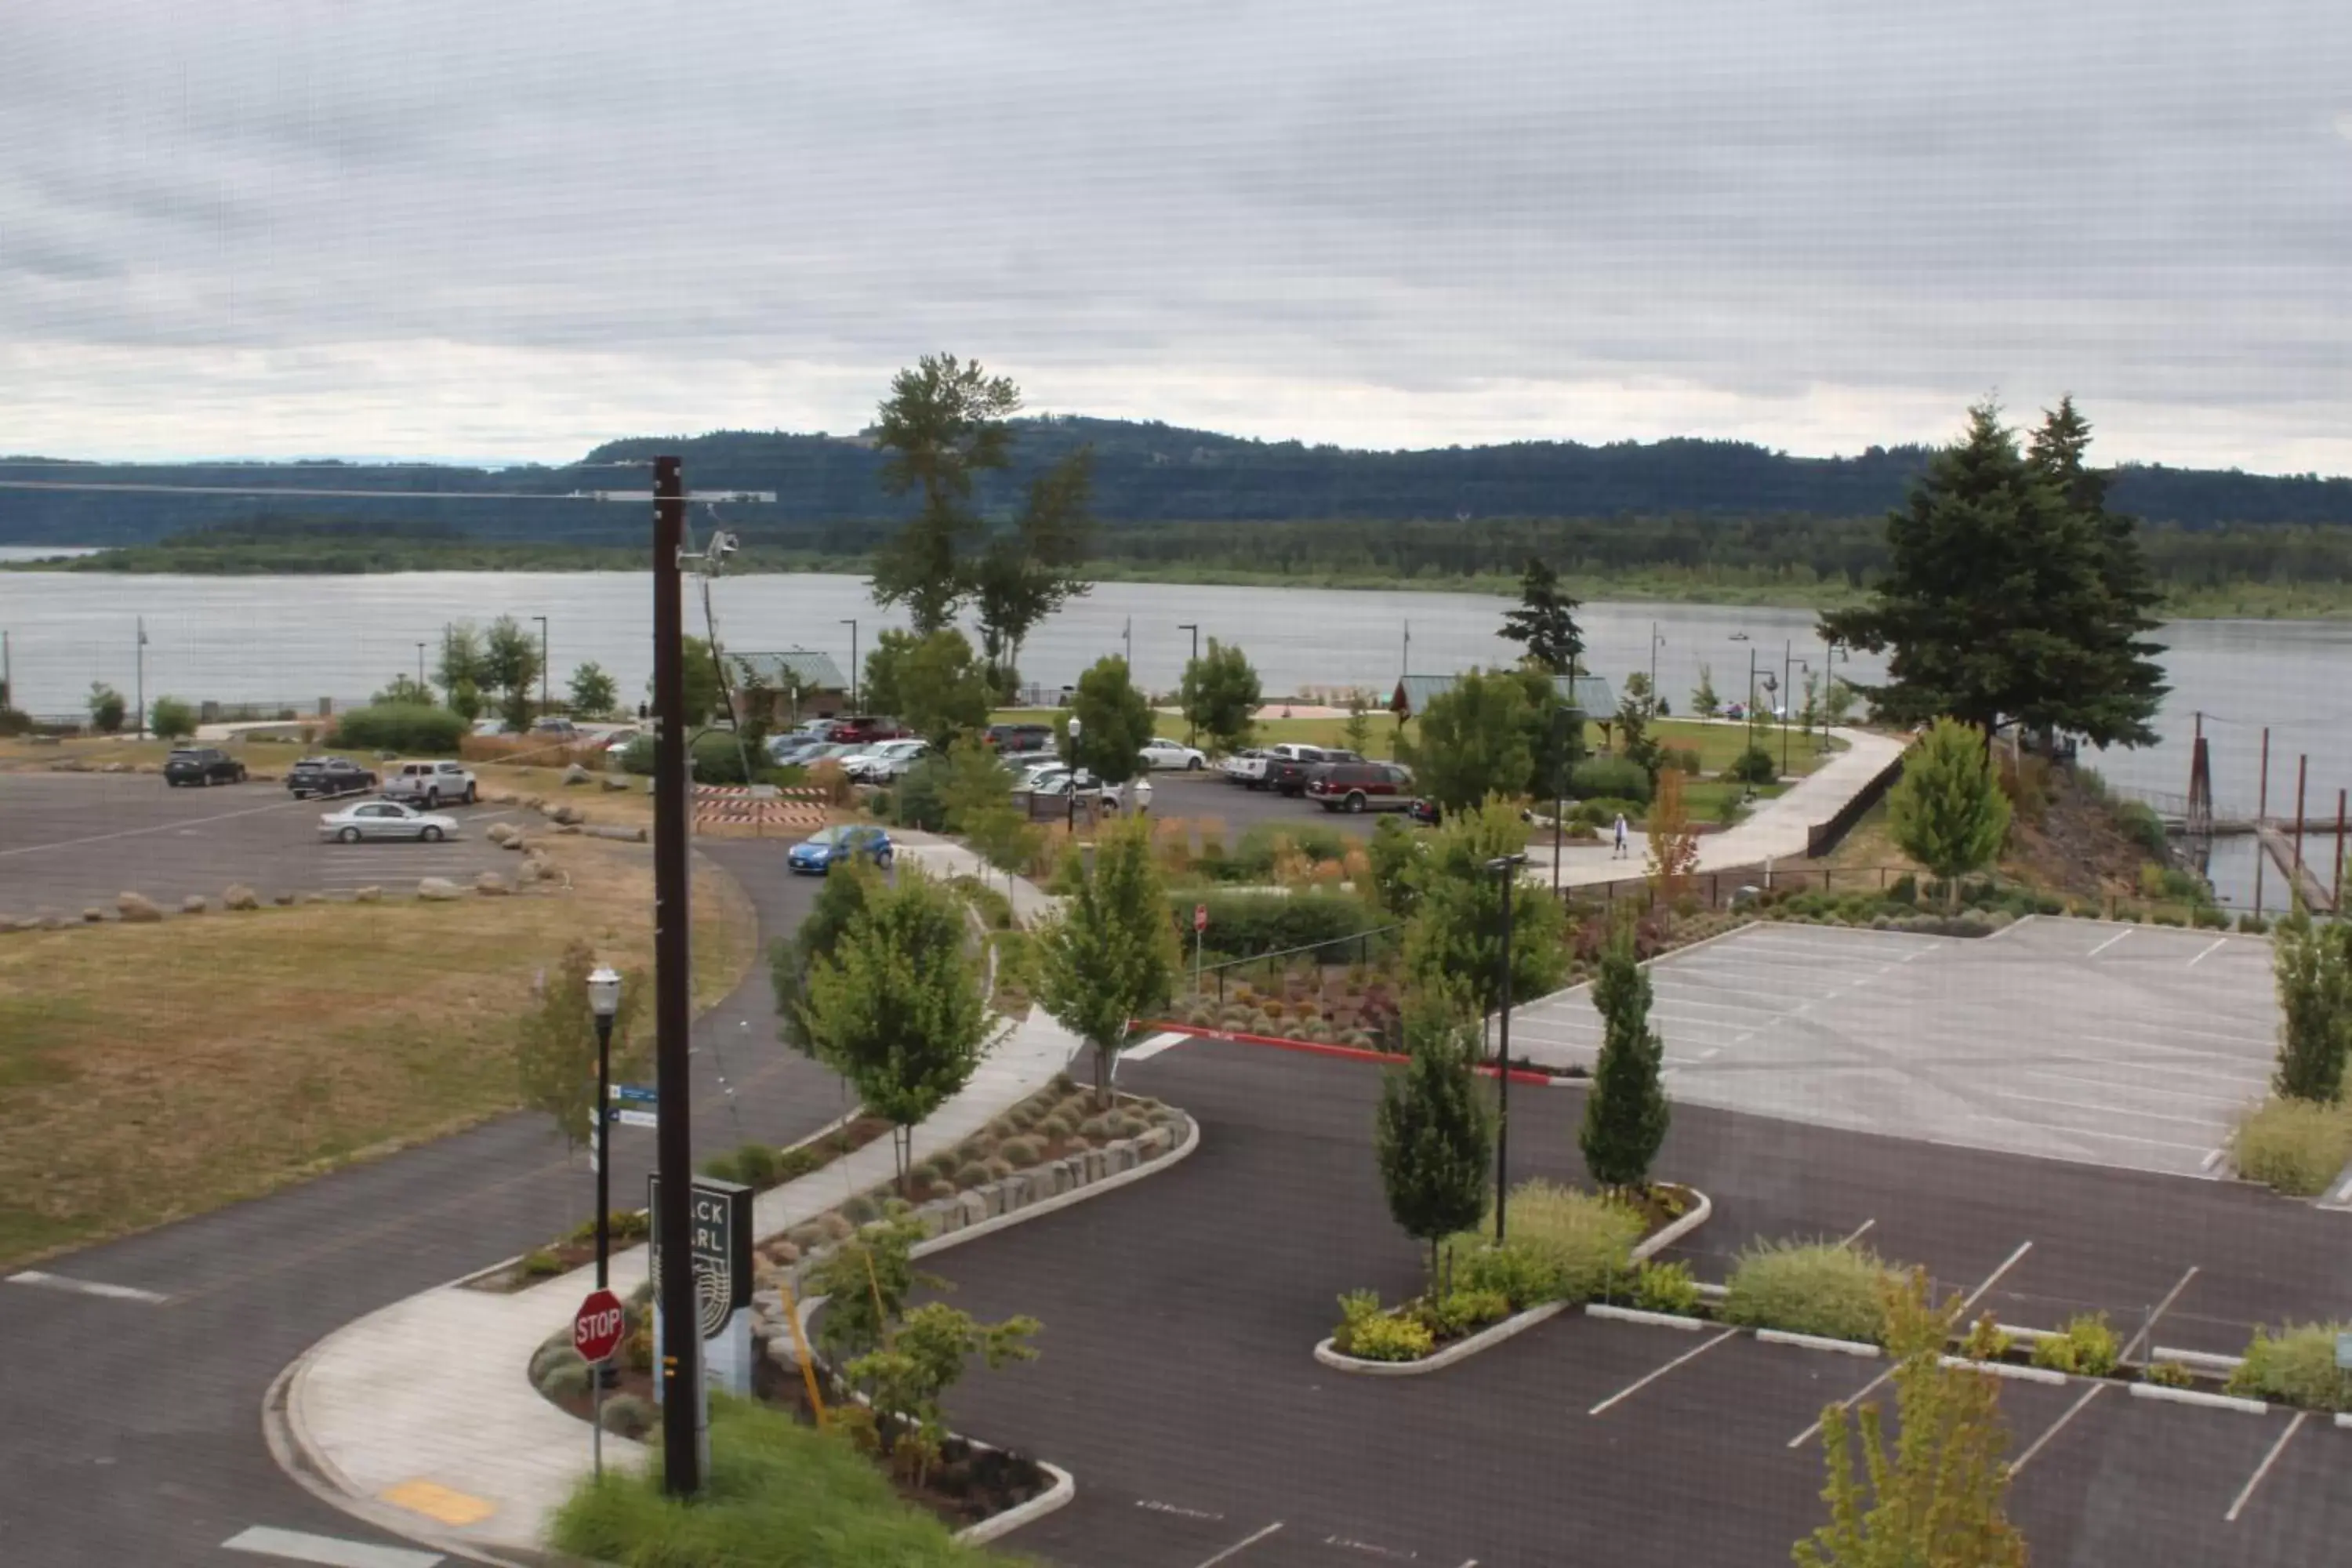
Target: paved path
427	1401
1779	830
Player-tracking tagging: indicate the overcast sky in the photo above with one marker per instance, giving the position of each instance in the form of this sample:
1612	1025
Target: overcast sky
509	230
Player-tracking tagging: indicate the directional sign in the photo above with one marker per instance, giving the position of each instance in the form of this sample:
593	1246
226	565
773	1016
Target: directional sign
1200	917
599	1326
628	1117
635	1093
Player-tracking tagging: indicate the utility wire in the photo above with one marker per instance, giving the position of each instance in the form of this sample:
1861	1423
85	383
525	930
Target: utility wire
307	491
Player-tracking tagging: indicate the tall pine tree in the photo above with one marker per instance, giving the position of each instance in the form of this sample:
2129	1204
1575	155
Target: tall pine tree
2127	682
2005	599
1433	1133
1625	1115
1546	620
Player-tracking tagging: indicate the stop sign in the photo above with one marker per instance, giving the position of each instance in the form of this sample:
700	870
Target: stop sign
597	1327
1200	922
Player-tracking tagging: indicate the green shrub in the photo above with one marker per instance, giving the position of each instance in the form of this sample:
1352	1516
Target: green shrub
1464	1312
758	1164
2293	1146
556	1353
1513	1271
1385	1337
1579	1245
2295	1366
1617	778
2168	1374
410	730
1057	1125
564	1380
1253	858
1665	1287
793	1164
861	1210
2252	924
2141	825
538	1263
2087	1346
1357	1307
1808	1288
1095	1128
1020	1153
169	719
628	1415
1753	766
970	1173
1244	925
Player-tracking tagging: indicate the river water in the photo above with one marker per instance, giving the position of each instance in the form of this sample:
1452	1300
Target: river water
296	639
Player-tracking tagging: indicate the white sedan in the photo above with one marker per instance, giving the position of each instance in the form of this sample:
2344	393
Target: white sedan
1169	754
386	819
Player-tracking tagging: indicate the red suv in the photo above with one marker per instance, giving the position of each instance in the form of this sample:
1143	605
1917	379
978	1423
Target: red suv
1362	786
865	729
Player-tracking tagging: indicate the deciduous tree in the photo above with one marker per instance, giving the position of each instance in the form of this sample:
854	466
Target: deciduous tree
1111	955
944	421
1114	721
1948	811
1704	701
555	1043
170	718
1032	570
510	661
840	901
938	687
106	708
461	662
1545	622
1673	854
1433	1133
895	1005
594	693
1220	696
1473	741
1456	936
1625	1115
2313	965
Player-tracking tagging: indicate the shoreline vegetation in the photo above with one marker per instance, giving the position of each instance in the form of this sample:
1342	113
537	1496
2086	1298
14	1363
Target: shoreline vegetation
379	553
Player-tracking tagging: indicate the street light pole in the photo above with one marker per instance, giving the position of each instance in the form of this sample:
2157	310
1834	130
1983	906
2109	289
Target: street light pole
1072	762
1655	640
603	1003
852	624
1192	730
1788	695
542	662
1507	866
681	1366
420	663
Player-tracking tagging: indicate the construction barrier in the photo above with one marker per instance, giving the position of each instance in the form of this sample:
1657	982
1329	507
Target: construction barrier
756	810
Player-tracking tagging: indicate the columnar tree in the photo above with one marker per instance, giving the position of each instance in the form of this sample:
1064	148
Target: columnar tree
1948	811
1635	709
1433	1133
1545	622
2011	593
1220	695
895	1006
2313	965
1475	740
944	421
1114	721
555	1043
1456	936
1625	1115
1111	955
1939	1494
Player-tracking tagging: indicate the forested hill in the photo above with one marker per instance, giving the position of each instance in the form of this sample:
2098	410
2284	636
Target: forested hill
1144	472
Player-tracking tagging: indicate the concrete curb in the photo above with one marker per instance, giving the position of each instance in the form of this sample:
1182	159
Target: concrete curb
1636	1315
2197	1396
2006	1369
1347	1053
2204	1361
1858	1348
1519	1323
1044	1206
2344	1421
1063	1490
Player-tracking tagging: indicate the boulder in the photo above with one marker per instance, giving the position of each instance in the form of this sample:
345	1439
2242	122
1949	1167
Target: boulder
115	768
566	816
502	834
615	782
974	1207
137	909
193	904
491	885
283	900
369	896
1154	1143
92	915
512	841
240	897
53	922
439	891
572	827
575	775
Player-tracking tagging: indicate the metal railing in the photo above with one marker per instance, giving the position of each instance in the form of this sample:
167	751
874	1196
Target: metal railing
1356	948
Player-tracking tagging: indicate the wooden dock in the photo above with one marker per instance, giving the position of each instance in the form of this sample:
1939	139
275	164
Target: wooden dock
2278	842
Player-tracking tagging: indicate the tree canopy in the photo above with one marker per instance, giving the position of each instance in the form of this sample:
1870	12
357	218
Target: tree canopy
2012	594
1432	1134
1473	741
944	421
1032	570
1115	722
1111	955
1455	937
1545	622
1220	695
1948	811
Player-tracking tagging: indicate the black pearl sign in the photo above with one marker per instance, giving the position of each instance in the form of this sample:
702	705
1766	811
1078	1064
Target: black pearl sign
721	1244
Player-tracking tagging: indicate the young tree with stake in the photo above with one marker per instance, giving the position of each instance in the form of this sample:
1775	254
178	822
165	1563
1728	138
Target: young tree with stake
555	1043
1111	956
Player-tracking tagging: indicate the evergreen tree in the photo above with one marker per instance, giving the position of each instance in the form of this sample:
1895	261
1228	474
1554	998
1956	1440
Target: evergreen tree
944	421
1220	696
1626	1113
1545	621
1554	732
2313	965
2001	600
1948	811
2127	684
1433	1133
1111	955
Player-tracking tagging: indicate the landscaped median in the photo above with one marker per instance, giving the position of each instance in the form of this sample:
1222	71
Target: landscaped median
1561	1248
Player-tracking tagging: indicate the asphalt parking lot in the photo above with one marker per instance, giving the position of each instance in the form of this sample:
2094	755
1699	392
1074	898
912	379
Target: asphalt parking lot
1208	795
2118	1045
1176	1378
70	841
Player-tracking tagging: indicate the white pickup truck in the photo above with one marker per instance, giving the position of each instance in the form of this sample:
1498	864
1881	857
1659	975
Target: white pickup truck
431	784
1243	767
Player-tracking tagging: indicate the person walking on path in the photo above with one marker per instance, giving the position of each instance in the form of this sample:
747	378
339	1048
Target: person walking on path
1621	838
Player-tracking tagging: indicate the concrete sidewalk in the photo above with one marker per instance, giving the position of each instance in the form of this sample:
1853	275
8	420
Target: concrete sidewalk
421	1418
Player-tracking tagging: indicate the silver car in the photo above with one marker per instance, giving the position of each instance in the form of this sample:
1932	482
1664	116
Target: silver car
384	819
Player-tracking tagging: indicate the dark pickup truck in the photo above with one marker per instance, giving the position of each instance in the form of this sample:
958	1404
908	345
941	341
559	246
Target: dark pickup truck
325	776
202	765
1288	767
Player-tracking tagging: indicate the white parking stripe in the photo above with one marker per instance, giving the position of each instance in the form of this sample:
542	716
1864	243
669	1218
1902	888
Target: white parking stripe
2109	942
1976	1295
1643	1382
1240	1545
2265	1468
2103	1109
2073	1410
86	1287
2208	952
1146	1049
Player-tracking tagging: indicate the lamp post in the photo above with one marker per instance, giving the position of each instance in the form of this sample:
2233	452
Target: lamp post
1508	867
604	1004
420	663
852	624
1072	762
1656	642
1788	695
1192	730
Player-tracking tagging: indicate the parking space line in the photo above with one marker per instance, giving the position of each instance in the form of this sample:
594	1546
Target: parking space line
2219	944
2265	1468
1849	1401
2095	1106
2112	1083
1860	1231
1635	1387
2162	1307
2109	942
2073	1410
143	832
1238	1546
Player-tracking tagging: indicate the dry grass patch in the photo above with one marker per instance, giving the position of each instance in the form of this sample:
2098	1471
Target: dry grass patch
156	1071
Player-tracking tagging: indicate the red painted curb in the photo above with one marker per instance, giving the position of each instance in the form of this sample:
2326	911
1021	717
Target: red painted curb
1351	1052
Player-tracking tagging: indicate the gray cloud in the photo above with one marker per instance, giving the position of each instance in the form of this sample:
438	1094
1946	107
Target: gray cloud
440	227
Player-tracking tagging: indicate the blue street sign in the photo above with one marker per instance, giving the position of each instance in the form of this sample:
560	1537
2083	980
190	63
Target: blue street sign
635	1093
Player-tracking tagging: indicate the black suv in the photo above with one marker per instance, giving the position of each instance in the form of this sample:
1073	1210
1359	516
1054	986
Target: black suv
329	775
1018	740
202	765
1289	775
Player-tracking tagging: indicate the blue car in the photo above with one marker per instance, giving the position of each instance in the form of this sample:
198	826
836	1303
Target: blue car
819	851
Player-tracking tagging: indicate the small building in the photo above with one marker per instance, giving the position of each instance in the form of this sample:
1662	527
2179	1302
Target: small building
1588	694
795	684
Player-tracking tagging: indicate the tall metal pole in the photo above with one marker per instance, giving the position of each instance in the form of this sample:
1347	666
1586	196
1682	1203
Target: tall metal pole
852	624
420	663
139	691
8	674
1127	638
603	1147
1407	668
1192	730
542	661
2336	887
2261	811
1653	666
1509	864
2302	768
1788	663
681	1347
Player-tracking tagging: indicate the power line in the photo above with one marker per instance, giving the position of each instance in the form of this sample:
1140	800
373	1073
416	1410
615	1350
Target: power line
269	490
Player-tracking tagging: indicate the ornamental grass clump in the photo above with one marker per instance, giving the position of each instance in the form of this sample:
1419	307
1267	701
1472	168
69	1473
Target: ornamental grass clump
1809	1287
2296	1365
